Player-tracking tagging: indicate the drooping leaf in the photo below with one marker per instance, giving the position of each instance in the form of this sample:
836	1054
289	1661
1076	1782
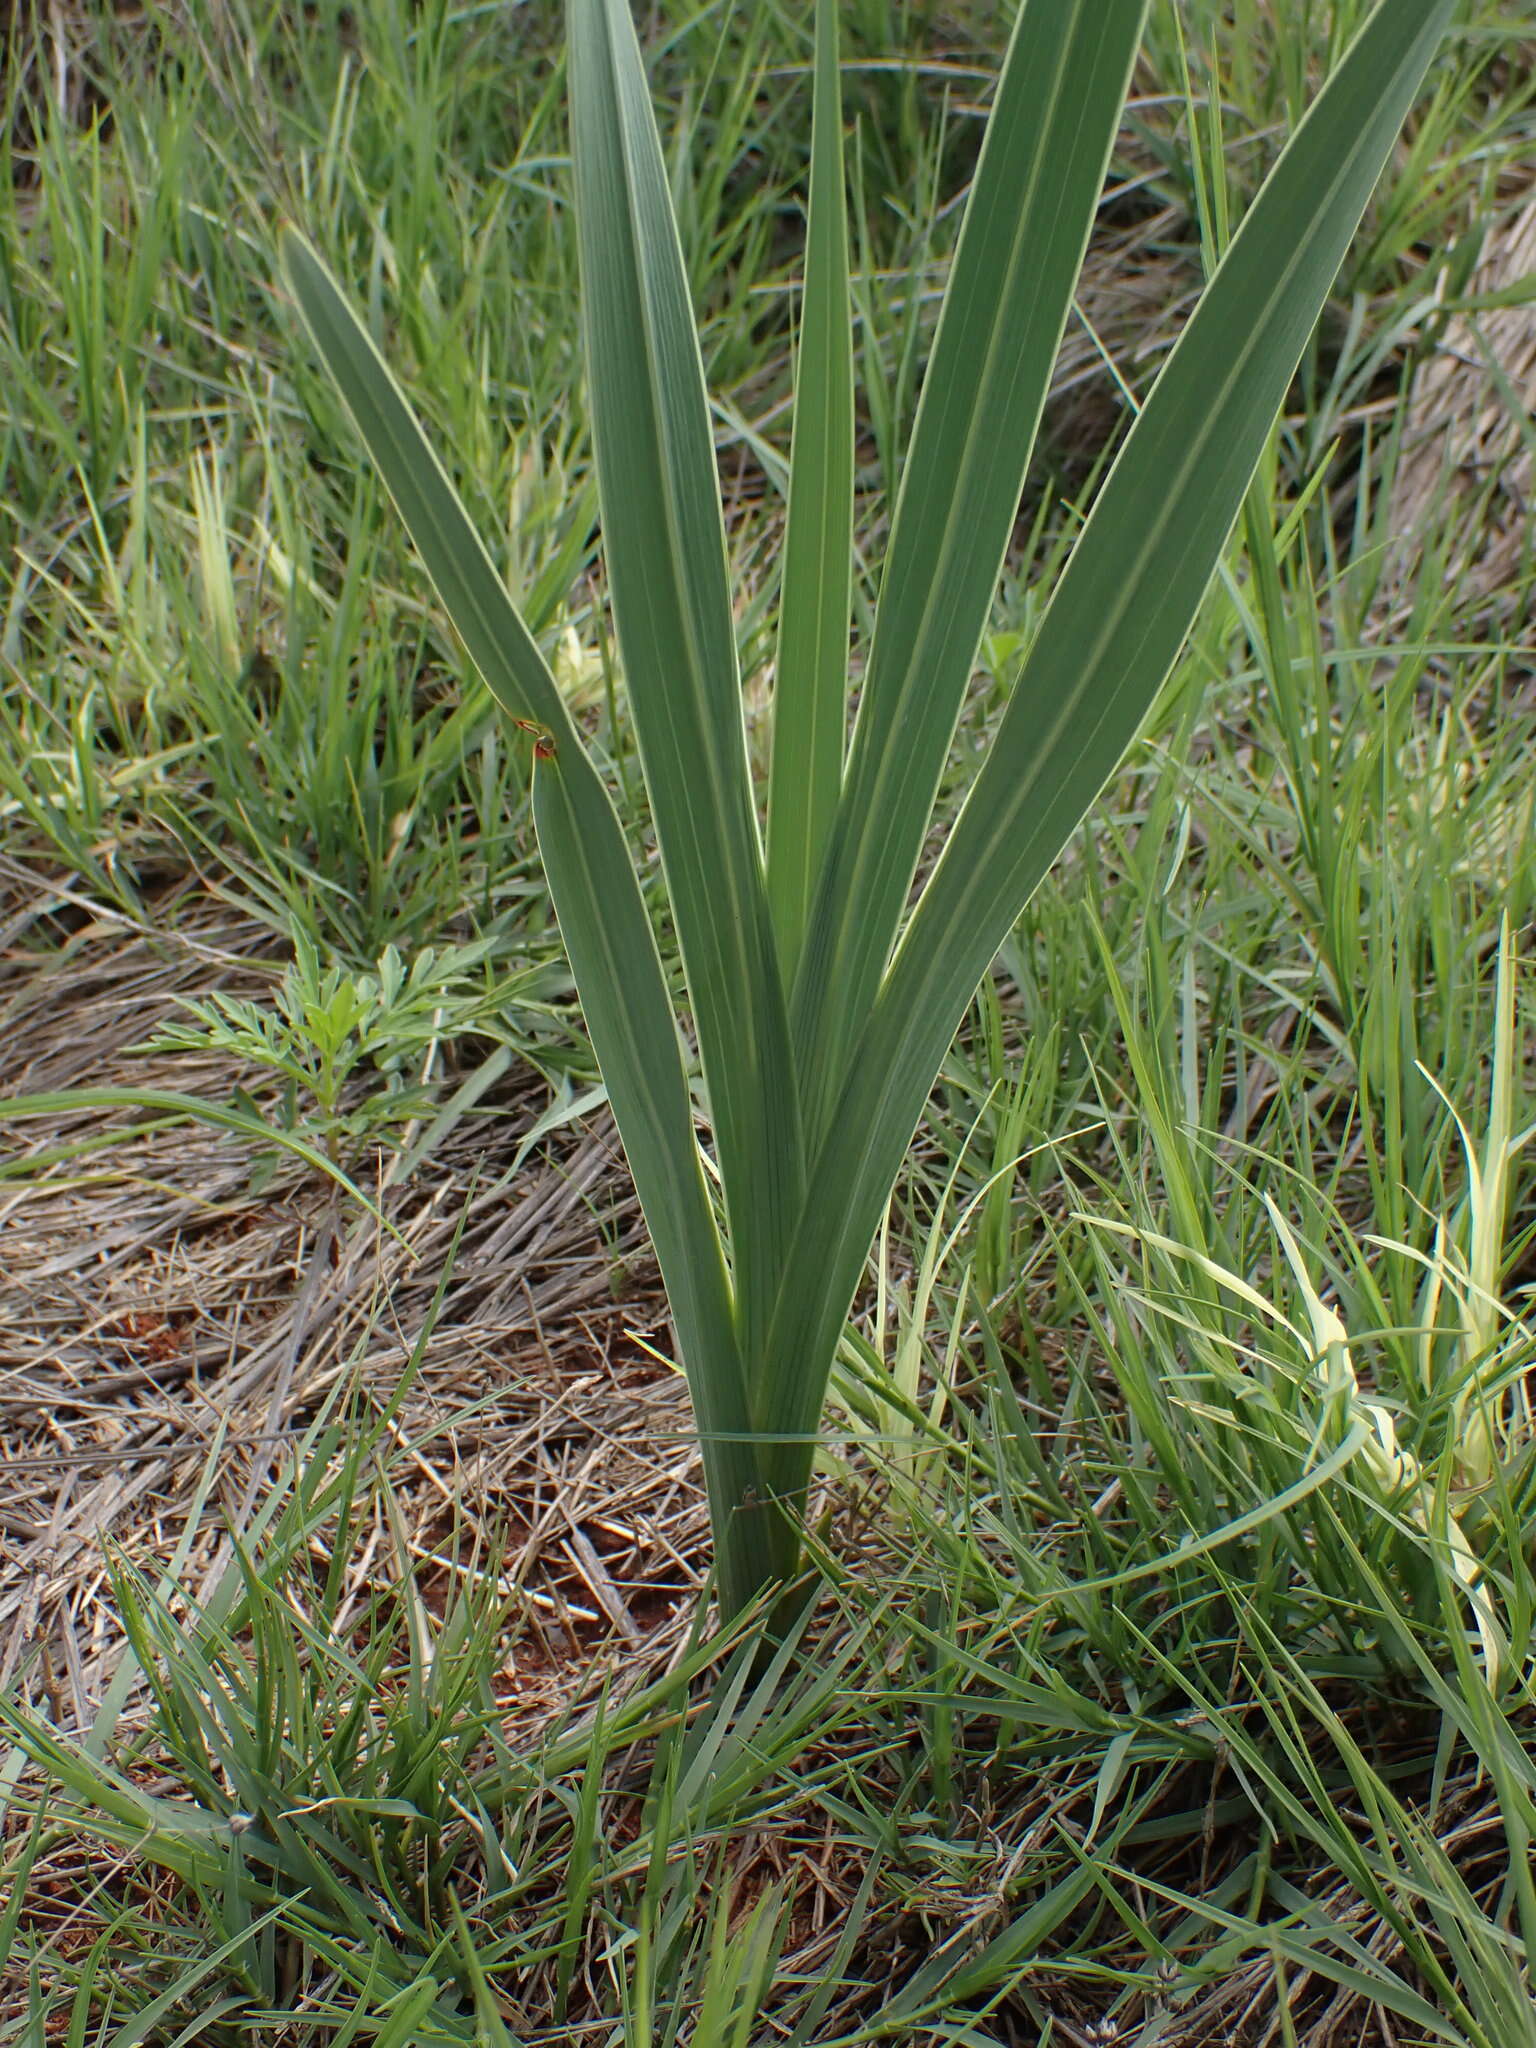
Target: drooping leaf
602	914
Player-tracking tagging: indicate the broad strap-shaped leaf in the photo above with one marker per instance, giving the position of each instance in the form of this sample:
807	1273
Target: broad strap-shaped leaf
1021	247
1109	636
810	695
465	577
664	545
603	918
624	1001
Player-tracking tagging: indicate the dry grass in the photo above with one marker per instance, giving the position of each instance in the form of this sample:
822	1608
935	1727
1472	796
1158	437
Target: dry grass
1467	465
157	1319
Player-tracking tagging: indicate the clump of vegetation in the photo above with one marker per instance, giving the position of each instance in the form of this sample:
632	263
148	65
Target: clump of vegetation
1170	1530
822	1011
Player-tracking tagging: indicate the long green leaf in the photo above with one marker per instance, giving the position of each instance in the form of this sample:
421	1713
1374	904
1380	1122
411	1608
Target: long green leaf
810	696
597	898
664	546
483	616
170	1106
613	957
1109	636
1021	247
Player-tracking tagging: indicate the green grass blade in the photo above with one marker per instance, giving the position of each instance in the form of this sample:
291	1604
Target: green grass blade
664	546
1109	636
1026	228
592	879
810	702
165	1104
